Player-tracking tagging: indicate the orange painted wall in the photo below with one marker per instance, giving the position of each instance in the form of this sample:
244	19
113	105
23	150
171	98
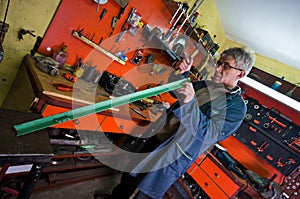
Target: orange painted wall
75	15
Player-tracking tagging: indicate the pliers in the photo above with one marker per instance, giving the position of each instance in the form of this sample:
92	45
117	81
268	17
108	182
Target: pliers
64	87
262	147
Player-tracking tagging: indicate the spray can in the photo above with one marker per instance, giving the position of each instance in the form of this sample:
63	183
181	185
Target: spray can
277	84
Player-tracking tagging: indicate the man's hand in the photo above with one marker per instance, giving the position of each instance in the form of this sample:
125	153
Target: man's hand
187	92
185	64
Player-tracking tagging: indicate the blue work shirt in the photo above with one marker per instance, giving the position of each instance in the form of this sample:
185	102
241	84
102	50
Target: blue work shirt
201	127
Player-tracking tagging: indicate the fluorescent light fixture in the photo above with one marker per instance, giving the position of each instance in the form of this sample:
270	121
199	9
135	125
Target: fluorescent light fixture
272	93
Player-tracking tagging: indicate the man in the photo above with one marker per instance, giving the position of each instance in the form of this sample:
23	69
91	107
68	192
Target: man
208	112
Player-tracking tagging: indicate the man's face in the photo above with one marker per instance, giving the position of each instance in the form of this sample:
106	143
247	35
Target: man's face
227	72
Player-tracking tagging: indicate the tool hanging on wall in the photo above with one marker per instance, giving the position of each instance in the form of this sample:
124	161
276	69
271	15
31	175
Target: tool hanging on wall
194	15
173	17
185	7
100	2
126	26
116	19
35	125
178	30
25	32
103	13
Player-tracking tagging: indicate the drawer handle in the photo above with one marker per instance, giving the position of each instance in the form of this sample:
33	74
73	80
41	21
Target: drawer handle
206	184
217	175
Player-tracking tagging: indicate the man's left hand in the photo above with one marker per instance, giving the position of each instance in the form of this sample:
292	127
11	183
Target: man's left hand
187	91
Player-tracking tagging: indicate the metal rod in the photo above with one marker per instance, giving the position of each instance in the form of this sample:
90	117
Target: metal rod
42	123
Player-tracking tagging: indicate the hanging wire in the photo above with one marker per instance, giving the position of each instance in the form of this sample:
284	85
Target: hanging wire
4	20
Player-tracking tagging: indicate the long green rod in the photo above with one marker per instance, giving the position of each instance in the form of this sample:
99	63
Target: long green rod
42	123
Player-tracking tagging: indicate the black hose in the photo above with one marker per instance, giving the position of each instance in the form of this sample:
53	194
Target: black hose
4	20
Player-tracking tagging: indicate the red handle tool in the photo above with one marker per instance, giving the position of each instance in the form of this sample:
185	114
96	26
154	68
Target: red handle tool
63	87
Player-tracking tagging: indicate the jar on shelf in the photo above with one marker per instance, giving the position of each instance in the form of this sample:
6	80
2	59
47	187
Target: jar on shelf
61	56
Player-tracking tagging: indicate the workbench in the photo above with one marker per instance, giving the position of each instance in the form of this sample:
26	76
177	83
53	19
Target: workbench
39	95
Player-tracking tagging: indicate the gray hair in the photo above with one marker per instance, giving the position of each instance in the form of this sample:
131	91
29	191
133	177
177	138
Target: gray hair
243	59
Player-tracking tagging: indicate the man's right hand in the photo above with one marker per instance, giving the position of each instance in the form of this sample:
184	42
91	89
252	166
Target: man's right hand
185	64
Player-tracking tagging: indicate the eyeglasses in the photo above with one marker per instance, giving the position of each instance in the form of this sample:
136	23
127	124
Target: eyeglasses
226	66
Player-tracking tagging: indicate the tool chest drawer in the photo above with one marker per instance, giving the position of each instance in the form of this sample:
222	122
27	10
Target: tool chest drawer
227	184
208	185
212	178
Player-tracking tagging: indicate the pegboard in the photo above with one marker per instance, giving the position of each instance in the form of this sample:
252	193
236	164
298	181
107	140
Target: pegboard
82	15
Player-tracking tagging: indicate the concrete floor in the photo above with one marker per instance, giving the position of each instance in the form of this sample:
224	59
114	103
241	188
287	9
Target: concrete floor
82	190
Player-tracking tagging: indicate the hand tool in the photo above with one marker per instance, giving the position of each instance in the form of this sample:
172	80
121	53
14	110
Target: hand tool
102	50
253	143
262	147
25	32
116	19
126	26
252	129
286	131
173	17
269	157
182	24
70	77
138	112
64	87
100	2
178	30
103	13
185	31
35	125
276	122
184	9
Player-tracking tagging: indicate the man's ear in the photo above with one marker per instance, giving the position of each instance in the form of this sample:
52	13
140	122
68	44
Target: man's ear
242	74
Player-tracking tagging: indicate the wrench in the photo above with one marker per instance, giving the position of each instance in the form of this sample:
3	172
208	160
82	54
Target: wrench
180	6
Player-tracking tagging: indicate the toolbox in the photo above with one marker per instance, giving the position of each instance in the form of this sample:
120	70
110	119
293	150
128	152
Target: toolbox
271	135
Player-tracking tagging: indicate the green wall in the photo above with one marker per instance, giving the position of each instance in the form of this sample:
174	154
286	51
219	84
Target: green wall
28	14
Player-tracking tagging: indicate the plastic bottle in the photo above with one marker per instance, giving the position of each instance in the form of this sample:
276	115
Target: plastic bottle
61	56
277	84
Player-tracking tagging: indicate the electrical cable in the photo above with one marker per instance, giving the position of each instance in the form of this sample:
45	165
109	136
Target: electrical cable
4	20
1	32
